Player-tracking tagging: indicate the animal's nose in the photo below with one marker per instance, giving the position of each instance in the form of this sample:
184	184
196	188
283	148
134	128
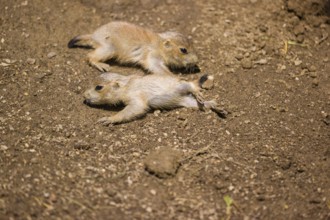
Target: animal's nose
194	59
85	95
88	102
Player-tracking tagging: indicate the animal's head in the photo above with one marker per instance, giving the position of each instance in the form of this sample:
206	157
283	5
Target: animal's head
178	50
104	92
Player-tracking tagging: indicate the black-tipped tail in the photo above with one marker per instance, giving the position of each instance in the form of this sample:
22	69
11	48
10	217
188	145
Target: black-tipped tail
202	80
72	42
222	113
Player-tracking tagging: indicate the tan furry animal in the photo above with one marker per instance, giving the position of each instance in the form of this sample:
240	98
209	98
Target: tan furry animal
142	93
132	44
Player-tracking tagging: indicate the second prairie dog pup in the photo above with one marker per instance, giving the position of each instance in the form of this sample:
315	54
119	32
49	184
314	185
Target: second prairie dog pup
129	43
139	94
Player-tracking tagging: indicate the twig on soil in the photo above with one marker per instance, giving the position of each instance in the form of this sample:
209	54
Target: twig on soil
285	83
242	165
191	137
118	176
229	204
80	204
290	42
237	163
324	37
285	49
201	151
49	207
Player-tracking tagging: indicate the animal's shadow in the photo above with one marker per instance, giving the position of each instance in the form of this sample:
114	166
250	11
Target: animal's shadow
112	108
188	70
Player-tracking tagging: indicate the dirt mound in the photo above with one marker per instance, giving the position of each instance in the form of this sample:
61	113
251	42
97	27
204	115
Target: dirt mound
306	8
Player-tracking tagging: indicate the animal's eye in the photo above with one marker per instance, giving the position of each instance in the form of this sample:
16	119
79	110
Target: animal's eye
183	50
98	88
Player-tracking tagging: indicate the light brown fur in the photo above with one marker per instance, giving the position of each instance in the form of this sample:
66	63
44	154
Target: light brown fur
141	93
129	43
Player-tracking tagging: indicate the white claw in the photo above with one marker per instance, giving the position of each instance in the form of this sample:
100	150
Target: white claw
105	121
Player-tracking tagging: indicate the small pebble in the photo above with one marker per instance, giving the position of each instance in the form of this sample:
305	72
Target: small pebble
246	63
153	192
80	145
261	61
156	112
51	55
297	62
8	61
3	147
299	29
4	64
315	82
239	56
31	61
263	28
300	38
326	120
313	74
311	68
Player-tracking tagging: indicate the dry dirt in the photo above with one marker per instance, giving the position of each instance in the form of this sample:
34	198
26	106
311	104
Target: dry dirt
270	156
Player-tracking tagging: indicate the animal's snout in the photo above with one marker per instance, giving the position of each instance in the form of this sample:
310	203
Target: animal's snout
86	94
86	102
193	59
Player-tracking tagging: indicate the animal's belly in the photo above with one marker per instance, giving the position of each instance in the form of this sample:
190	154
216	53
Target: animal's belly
165	101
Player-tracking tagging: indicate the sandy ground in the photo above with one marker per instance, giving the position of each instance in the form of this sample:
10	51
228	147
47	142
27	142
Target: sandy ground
269	159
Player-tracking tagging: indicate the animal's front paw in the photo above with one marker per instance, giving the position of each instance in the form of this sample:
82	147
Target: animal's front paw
199	97
103	67
106	121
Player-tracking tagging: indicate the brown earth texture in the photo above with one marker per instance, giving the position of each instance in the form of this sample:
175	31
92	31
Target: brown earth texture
268	159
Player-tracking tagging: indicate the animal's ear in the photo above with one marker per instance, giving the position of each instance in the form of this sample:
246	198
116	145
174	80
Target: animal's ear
167	43
116	85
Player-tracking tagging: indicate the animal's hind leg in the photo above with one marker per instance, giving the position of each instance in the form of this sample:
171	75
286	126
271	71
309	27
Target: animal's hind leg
194	89
97	58
189	102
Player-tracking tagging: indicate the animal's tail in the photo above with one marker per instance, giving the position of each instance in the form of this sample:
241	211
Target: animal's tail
202	80
84	41
206	81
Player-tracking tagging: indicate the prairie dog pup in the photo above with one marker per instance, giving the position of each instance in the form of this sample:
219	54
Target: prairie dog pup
129	43
142	93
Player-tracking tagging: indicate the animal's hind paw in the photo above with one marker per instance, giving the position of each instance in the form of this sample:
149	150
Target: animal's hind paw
199	97
106	121
210	104
103	67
